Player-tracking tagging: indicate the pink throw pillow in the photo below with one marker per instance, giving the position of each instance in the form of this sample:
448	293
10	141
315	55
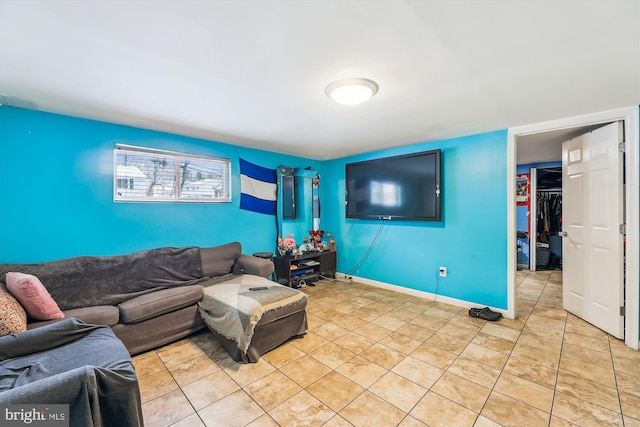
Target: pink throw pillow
33	296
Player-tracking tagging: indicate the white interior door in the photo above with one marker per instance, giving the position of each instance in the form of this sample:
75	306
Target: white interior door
592	210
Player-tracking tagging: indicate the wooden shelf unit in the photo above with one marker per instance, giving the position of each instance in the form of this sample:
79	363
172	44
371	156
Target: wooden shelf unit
326	266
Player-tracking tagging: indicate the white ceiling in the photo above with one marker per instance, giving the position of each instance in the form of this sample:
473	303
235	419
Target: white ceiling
253	73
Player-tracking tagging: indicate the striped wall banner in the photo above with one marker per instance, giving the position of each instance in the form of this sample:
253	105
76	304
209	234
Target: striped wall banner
258	189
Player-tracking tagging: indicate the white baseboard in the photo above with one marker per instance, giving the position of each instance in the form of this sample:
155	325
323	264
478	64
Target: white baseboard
413	292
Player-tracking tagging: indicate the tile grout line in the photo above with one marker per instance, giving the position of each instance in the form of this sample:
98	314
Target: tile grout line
615	378
555	384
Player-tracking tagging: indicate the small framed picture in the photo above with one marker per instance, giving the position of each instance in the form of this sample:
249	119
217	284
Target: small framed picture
522	189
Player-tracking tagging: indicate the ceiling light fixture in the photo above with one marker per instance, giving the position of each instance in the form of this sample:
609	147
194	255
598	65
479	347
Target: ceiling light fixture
351	91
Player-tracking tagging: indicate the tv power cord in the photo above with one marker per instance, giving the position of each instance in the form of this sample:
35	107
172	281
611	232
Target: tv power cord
367	252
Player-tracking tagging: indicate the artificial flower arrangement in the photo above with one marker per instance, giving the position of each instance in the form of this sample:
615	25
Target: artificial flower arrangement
286	244
316	237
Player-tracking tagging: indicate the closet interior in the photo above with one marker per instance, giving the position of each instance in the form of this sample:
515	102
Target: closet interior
545	216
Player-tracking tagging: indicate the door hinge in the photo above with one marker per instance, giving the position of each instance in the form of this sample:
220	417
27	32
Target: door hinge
623	228
622	311
621	147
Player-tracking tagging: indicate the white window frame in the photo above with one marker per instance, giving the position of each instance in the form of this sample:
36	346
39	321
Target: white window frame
187	192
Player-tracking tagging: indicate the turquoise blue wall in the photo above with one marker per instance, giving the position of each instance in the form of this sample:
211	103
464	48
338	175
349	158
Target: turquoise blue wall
57	186
470	241
57	190
57	201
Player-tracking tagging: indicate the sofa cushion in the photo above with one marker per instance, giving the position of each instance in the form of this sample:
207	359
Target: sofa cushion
33	296
106	315
218	260
160	302
158	331
13	318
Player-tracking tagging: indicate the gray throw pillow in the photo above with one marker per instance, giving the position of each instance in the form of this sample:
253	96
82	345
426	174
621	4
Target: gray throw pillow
218	260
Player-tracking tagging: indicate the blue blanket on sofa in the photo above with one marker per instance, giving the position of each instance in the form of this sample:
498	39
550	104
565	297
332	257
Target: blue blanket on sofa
70	362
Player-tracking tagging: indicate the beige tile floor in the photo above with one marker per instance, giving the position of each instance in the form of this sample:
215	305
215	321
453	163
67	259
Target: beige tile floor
377	358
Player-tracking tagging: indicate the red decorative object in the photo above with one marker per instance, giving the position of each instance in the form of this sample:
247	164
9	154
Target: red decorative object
316	237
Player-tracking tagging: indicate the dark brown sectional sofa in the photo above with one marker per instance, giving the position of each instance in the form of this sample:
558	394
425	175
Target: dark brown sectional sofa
148	298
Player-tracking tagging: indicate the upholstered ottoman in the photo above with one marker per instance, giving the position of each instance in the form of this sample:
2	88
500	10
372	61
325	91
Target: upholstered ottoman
251	315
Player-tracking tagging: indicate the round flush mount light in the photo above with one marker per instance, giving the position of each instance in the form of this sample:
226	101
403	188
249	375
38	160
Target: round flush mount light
351	91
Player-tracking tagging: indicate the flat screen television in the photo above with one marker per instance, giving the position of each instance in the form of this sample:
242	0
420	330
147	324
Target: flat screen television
406	187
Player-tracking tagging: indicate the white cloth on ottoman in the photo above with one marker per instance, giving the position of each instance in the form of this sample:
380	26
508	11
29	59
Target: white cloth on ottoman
233	310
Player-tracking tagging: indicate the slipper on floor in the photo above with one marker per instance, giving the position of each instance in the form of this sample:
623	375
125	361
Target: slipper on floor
485	314
477	310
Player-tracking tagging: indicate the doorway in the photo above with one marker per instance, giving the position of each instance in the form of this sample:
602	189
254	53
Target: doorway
544	218
629	116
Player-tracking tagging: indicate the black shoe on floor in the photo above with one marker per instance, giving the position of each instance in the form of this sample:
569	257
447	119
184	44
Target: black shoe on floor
485	314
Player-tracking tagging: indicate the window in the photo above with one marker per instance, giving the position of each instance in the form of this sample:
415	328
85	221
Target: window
146	175
125	183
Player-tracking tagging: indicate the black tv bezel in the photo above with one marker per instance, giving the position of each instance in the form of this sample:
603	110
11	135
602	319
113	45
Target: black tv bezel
438	216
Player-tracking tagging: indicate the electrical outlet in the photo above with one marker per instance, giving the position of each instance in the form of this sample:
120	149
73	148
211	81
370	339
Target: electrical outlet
443	271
